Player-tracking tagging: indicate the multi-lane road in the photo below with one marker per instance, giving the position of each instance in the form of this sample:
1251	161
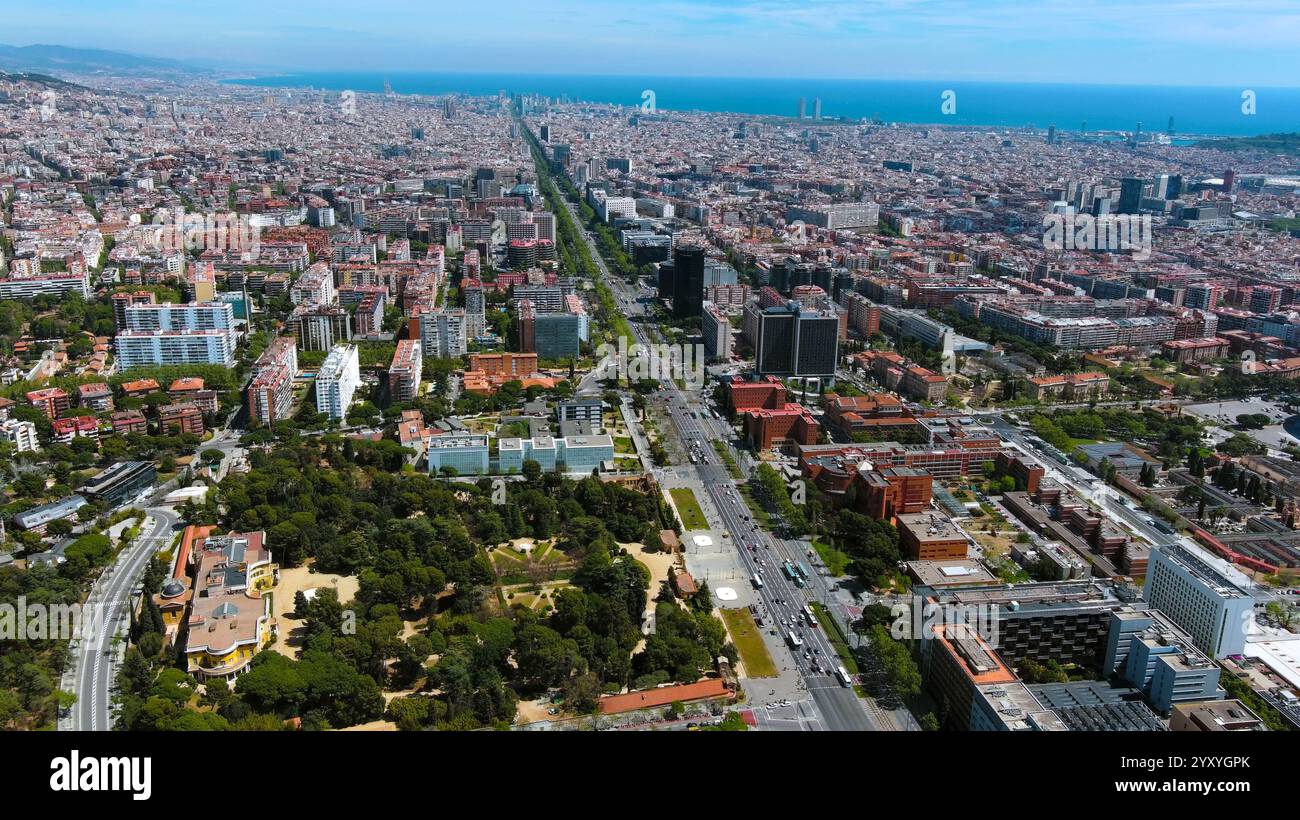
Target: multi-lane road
835	706
93	672
95	657
782	601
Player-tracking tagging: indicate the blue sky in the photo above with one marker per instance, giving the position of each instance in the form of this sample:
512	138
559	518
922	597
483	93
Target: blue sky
1183	42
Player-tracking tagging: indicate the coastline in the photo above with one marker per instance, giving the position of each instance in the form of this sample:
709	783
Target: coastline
1074	109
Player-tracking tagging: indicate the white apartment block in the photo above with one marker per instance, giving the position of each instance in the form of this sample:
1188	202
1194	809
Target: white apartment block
316	284
717	332
443	333
138	348
26	287
21	434
838	216
1200	600
147	316
661	208
607	207
337	381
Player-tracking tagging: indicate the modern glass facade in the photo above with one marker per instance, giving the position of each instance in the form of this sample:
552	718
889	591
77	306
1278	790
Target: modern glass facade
467	454
575	454
556	335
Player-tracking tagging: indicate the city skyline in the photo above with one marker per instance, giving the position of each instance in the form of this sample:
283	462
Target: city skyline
907	366
1149	43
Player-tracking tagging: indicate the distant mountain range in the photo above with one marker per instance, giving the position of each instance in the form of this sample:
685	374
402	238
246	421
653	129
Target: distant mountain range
64	59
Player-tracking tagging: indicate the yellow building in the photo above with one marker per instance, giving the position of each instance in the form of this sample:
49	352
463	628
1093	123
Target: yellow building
230	616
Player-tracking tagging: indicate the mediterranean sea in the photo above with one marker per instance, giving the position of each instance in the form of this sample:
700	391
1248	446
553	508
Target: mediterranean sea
1195	110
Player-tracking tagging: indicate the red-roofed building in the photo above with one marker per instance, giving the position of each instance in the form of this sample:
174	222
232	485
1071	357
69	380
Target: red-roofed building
412	432
66	429
665	695
1184	351
1026	471
791	424
1070	387
514	365
404	371
51	401
960	661
180	418
139	387
768	393
97	397
875	417
182	389
683	583
892	491
126	422
924	385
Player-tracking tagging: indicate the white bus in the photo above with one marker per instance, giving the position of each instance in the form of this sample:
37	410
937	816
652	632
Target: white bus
757	581
843	675
809	617
795	640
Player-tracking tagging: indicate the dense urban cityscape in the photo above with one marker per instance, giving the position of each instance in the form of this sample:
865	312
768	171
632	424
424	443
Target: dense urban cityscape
331	409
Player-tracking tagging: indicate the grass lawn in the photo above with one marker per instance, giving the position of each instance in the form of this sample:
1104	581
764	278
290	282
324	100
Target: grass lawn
837	561
748	639
689	509
507	557
623	445
534	597
547	554
836	637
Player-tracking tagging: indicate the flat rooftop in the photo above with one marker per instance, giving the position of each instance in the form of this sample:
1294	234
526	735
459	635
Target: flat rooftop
1221	716
946	572
449	442
1033	597
930	526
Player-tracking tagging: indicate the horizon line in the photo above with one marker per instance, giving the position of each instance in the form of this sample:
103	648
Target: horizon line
793	78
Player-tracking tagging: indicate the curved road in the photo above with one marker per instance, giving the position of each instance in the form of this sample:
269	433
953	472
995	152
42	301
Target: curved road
95	658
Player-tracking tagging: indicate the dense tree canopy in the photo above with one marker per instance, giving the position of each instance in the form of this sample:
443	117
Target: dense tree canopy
420	549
